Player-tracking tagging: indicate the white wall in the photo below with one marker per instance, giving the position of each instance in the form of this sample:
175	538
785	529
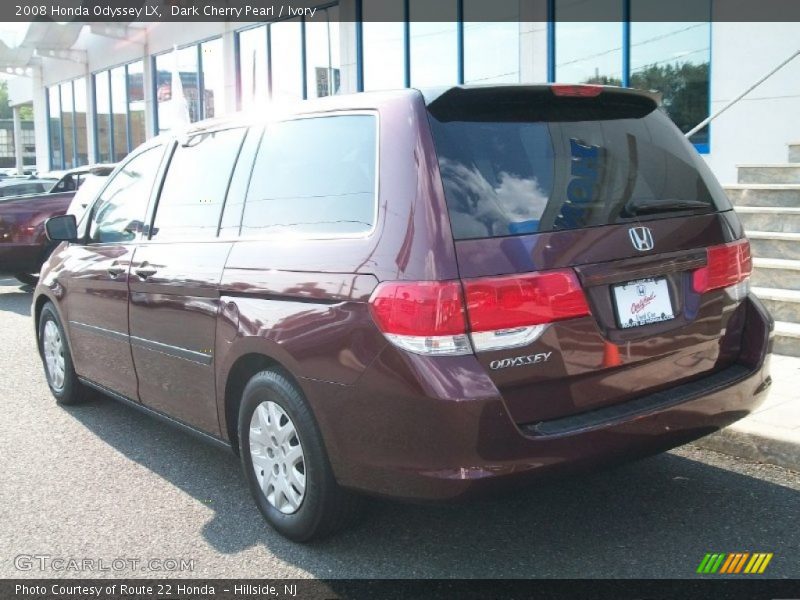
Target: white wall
758	128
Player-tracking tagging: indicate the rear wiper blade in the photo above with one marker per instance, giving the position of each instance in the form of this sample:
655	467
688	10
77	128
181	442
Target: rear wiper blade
659	206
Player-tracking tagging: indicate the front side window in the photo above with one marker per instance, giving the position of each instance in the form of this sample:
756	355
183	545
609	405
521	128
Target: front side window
119	212
194	188
314	176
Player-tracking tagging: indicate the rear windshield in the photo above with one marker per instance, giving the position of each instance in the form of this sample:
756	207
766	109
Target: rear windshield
510	170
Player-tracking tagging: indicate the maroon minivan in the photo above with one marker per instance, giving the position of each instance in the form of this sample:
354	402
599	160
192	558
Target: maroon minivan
413	294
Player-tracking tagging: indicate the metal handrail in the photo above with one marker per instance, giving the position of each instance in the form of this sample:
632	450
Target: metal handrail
710	118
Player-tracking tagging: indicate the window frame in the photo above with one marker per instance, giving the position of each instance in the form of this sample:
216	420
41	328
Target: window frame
155	199
376	214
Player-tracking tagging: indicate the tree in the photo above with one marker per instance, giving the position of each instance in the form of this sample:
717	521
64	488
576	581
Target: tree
6	112
684	88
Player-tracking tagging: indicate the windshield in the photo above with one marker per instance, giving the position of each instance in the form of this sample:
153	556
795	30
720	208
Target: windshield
524	175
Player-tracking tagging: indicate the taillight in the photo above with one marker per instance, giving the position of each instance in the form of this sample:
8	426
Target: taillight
504	312
577	91
728	265
513	310
425	317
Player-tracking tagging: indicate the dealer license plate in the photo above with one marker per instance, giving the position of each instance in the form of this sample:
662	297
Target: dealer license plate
643	302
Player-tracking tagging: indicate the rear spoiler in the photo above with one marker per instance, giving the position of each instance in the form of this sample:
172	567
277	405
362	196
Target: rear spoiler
551	102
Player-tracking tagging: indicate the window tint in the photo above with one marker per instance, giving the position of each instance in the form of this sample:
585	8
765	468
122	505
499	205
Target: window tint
314	175
194	188
546	168
119	212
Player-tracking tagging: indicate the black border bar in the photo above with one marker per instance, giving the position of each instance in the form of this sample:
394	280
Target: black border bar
124	11
741	588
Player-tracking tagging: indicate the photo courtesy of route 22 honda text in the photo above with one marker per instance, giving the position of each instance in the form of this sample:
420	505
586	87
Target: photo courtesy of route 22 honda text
419	294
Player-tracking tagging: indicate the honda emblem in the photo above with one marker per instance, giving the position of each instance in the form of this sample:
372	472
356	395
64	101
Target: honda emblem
641	238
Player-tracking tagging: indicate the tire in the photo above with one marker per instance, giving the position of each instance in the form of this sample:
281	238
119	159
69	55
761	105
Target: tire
63	382
319	509
27	278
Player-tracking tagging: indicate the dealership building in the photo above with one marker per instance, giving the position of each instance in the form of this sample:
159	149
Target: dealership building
100	89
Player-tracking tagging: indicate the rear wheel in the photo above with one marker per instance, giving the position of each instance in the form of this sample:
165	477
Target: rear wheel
61	377
285	461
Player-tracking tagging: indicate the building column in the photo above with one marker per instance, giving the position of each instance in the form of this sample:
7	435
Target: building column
40	120
18	142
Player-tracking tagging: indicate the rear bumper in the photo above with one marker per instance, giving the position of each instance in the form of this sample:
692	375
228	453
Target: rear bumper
438	429
21	258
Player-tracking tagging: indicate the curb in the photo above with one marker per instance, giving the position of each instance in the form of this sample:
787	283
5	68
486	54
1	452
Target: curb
758	442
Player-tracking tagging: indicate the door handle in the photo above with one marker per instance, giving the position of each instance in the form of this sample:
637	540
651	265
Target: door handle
115	270
145	271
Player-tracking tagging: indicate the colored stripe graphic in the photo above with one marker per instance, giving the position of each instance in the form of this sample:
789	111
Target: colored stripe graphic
741	562
731	562
734	562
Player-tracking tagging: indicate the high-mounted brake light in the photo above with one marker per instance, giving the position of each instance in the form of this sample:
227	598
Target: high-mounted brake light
504	312
728	265
577	91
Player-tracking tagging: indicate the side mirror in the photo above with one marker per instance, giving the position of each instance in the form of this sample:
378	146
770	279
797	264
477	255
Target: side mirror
63	228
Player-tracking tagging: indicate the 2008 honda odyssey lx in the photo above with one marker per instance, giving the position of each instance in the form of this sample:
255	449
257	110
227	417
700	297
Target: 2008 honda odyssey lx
413	294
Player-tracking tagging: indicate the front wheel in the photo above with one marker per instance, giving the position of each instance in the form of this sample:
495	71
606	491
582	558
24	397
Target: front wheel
61	377
285	461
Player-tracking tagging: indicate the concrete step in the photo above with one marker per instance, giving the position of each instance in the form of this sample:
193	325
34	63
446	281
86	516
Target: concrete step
779	173
783	305
774	244
794	152
770	218
787	338
776	273
764	194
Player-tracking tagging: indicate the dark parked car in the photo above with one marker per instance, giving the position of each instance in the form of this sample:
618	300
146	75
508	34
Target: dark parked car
23	244
25	186
413	294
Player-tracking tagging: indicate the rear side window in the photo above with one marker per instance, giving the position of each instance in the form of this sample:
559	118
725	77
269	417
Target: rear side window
509	171
193	193
314	176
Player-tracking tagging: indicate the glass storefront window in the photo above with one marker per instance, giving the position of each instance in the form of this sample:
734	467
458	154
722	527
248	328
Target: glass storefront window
54	107
384	45
286	49
491	48
102	106
323	67
136	116
588	52
185	62
68	125
213	79
673	58
81	137
434	43
119	114
252	67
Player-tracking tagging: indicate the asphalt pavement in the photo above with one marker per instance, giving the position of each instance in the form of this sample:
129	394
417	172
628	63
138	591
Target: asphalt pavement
102	483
